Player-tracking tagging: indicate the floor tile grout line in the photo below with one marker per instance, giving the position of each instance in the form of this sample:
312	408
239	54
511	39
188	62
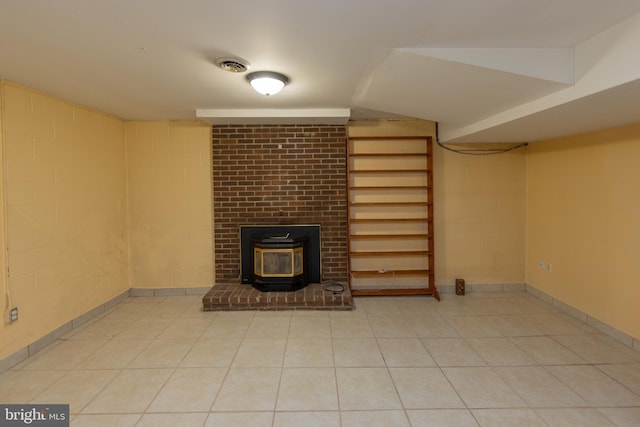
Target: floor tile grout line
146	409
228	369
335	367
598	367
494	367
275	401
123	370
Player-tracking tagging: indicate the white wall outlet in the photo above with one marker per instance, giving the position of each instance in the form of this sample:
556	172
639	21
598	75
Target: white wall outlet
13	314
549	267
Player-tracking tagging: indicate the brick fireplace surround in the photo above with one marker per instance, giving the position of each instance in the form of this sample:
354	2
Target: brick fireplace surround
278	175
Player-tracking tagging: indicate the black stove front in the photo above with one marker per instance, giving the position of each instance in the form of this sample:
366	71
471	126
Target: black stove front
280	258
279	263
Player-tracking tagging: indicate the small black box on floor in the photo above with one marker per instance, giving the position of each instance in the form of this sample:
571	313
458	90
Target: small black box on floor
459	286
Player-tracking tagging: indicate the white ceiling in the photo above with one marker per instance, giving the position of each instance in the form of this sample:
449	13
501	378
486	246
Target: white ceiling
485	70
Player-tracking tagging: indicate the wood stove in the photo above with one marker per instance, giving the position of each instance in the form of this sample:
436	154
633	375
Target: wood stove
280	257
279	263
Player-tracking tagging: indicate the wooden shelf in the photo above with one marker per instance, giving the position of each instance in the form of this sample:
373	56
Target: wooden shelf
386	220
389	204
399	235
389	155
378	273
388	253
387	171
390	187
403	291
389	236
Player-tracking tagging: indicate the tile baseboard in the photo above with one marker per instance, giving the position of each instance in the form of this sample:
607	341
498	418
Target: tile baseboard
491	287
29	350
601	326
165	292
49	338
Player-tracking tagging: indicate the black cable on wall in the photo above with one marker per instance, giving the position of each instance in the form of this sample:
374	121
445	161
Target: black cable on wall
479	151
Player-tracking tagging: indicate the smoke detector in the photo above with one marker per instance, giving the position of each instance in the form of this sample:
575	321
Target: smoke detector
233	65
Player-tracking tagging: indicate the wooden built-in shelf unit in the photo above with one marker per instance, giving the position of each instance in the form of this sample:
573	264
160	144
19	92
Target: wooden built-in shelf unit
390	216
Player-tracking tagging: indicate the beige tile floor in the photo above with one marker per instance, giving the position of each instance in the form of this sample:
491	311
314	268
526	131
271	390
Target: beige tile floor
484	359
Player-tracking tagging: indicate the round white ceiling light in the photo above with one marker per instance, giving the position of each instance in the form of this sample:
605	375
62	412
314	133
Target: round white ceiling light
267	82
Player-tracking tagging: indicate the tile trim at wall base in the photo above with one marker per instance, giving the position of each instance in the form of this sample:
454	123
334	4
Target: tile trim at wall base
601	326
493	287
168	292
38	345
20	355
41	343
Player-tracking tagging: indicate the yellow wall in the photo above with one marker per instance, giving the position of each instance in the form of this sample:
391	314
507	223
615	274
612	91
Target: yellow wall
66	212
584	219
479	208
4	297
95	206
170	207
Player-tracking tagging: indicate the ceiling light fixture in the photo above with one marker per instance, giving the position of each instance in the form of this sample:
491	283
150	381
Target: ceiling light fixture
267	82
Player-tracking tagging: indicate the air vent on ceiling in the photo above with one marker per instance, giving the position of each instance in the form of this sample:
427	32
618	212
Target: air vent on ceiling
233	65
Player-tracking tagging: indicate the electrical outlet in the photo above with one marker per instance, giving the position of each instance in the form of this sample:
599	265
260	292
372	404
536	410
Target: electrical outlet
13	314
549	267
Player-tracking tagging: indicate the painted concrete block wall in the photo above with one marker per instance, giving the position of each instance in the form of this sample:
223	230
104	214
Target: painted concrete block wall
66	212
479	208
4	302
583	218
170	204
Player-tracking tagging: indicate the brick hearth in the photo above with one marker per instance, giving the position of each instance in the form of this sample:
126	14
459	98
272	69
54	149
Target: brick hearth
239	297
